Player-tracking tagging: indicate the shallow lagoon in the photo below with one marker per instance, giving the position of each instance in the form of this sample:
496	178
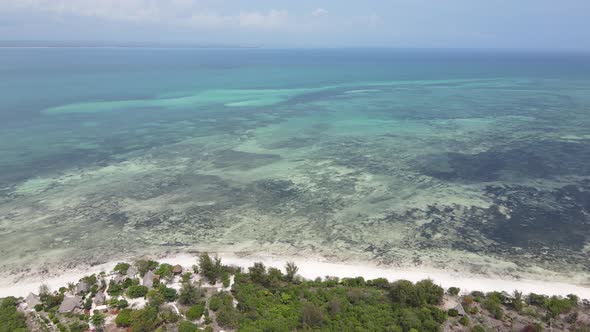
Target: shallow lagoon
463	160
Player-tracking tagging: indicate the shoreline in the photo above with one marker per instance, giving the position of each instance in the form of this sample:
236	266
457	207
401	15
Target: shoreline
315	267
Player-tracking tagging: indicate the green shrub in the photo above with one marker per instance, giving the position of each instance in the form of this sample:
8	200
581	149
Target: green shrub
121	268
453	312
155	298
189	294
145	265
379	283
186	277
195	312
98	319
144	320
137	291
464	320
122	304
164	270
228	317
492	304
215	303
405	293
454	291
210	268
225	279
478	328
186	326
535	299
312	316
168	293
78	327
115	289
124	318
557	305
88	303
11	320
257	273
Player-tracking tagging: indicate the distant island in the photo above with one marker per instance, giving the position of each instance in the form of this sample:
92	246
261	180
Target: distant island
147	295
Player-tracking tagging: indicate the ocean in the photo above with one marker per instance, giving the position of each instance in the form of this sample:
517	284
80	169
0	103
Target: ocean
470	160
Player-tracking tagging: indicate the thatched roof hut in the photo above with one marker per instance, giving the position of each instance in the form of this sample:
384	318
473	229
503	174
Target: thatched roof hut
119	278
148	279
32	300
99	298
70	303
177	269
82	287
131	272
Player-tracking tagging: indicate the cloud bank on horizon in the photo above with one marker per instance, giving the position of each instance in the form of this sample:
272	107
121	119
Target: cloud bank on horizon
397	23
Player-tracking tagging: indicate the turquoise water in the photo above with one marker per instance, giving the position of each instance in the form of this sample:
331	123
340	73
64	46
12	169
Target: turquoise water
473	159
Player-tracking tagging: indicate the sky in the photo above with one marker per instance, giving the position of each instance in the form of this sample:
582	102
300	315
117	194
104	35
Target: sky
527	24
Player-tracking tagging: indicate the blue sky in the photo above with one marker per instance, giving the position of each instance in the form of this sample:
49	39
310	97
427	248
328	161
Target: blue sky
548	24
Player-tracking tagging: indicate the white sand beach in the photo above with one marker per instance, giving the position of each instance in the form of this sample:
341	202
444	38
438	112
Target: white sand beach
314	267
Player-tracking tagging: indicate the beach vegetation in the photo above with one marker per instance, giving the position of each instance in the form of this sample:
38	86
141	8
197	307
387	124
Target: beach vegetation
98	320
268	299
478	328
404	293
464	321
516	301
137	291
195	312
144	320
11	320
210	268
189	294
164	270
78	326
90	280
143	266
169	294
88	303
186	277
453	291
225	279
155	298
124	318
557	305
186	326
122	268
291	270
51	301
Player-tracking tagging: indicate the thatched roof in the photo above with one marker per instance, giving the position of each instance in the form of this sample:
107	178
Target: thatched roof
82	287
460	309
70	303
148	279
32	300
119	278
177	269
131	272
99	298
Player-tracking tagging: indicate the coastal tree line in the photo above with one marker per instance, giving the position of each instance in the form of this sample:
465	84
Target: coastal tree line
265	298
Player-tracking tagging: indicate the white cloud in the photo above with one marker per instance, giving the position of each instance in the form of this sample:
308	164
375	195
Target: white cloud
171	12
319	12
272	18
